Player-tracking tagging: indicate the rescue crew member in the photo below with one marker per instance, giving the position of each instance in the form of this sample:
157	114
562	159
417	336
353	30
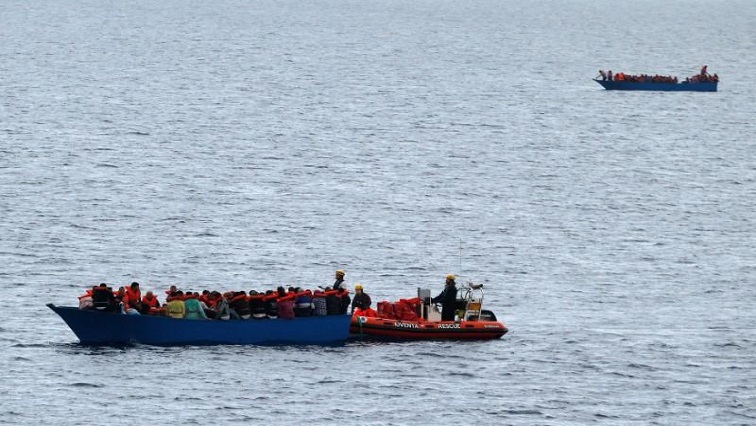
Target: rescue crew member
361	299
448	299
339	280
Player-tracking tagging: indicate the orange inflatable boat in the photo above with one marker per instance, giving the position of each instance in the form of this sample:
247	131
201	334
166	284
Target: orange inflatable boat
418	319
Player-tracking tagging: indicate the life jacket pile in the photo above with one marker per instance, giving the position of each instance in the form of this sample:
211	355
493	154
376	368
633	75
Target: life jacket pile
368	312
404	309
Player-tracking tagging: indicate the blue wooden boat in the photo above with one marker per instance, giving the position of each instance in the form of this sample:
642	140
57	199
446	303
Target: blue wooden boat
105	328
707	86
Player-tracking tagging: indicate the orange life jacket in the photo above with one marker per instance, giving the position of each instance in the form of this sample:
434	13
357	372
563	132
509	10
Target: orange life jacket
151	303
287	297
369	312
132	297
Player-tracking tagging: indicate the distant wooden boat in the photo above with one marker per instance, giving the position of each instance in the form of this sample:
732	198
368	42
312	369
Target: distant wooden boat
703	86
105	328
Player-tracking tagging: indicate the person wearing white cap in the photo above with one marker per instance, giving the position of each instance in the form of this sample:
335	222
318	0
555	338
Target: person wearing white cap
339	280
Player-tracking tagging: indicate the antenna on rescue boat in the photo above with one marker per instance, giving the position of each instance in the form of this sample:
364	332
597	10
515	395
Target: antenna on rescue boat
460	256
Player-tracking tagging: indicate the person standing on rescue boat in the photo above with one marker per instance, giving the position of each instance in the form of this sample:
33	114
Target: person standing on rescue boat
448	299
361	299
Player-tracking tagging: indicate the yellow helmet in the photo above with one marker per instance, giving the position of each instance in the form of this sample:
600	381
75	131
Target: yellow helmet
451	277
340	272
358	287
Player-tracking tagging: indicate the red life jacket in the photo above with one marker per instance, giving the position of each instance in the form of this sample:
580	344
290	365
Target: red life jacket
87	294
386	310
132	297
369	312
287	297
151	303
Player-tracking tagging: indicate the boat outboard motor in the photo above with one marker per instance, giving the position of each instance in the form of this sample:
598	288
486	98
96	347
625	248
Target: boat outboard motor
486	315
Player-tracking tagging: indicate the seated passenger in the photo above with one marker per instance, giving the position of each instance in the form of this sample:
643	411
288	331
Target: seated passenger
224	311
176	307
343	295
213	298
133	298
257	305
319	303
285	304
170	291
151	303
303	303
240	304
120	295
271	304
193	308
85	300
205	297
103	299
333	302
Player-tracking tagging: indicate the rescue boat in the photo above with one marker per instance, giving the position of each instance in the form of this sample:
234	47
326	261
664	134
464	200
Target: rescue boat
419	319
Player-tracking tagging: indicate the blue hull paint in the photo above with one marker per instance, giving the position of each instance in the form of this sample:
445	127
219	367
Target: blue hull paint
101	328
664	87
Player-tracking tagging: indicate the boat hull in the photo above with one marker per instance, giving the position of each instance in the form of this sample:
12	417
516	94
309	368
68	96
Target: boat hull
101	328
391	329
663	87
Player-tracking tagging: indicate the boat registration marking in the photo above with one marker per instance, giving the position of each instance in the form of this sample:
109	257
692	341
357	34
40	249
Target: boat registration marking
406	325
448	326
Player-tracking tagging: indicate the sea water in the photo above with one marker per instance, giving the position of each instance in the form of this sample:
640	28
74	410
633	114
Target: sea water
249	144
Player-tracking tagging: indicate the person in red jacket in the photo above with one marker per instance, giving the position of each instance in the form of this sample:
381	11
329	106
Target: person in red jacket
133	297
150	304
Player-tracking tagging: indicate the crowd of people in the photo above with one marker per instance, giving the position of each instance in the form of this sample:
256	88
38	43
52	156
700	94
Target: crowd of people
701	77
282	302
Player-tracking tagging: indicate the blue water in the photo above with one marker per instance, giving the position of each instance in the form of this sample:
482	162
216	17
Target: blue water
243	145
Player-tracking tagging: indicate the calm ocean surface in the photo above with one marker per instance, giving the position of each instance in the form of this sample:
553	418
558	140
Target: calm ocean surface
245	144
